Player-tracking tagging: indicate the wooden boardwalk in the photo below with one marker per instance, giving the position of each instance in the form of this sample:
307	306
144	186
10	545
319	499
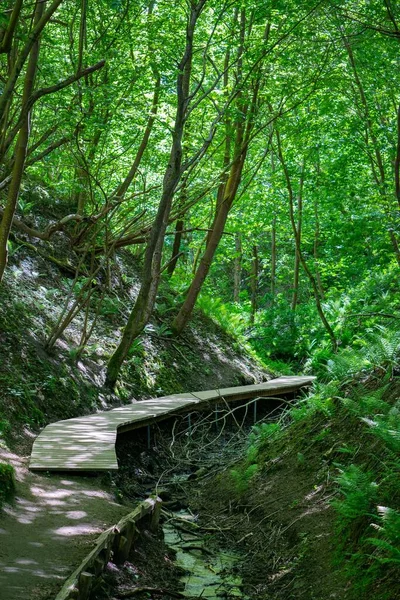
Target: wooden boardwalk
88	443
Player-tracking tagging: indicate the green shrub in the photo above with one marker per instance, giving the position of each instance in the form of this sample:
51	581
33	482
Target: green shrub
7	482
242	477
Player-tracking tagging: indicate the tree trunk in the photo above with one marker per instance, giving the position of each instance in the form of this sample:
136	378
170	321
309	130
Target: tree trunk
21	147
123	187
374	148
316	246
31	41
144	304
237	267
296	274
395	244
7	34
243	128
254	283
176	247
179	226
273	259
303	262
180	321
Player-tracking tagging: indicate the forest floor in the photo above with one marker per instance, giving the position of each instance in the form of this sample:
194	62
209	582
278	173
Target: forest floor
48	528
51	522
279	527
280	523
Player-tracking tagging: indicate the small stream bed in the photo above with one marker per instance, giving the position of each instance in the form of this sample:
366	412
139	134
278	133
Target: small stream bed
207	573
194	553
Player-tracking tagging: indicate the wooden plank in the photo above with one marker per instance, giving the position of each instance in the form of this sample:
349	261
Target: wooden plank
104	543
88	443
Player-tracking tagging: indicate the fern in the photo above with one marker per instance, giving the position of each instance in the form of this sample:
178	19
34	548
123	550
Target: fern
383	349
387	545
359	495
366	403
345	365
387	428
241	478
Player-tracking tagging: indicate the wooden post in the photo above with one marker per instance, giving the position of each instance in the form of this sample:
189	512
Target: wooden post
125	543
155	515
85	585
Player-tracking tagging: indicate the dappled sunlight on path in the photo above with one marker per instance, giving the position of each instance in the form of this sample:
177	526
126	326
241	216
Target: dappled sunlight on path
48	528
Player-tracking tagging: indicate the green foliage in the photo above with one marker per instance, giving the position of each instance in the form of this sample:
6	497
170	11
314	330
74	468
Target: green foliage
320	400
374	557
230	317
260	434
383	349
242	477
359	494
5	428
110	306
357	408
336	106
7	481
386	542
278	332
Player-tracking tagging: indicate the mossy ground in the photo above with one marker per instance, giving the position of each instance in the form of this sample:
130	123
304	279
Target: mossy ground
7	482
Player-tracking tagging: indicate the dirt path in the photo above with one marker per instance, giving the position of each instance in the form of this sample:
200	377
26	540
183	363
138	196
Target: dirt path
48	529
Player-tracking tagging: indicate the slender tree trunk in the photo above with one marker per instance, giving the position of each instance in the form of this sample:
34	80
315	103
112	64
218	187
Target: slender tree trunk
21	147
32	39
144	304
120	192
395	245
83	183
11	58
397	161
303	262
123	187
8	33
273	259
254	284
180	321
81	174
179	226
227	190
296	274
316	247
237	272
82	35
296	277
374	148
176	247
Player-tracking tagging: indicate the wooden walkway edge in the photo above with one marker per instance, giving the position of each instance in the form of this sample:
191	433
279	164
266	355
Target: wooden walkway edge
88	443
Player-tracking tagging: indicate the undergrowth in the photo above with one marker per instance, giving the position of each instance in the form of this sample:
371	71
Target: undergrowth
7	482
363	319
357	411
